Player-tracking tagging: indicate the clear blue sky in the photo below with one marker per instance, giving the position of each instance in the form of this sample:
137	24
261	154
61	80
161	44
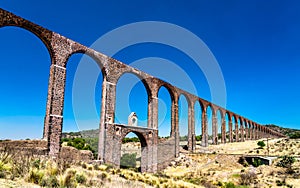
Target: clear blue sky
256	44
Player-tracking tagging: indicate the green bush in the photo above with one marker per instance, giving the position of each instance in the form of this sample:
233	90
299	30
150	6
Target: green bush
286	161
256	162
295	135
78	143
35	176
50	181
229	185
183	138
133	139
128	160
199	138
80	178
261	144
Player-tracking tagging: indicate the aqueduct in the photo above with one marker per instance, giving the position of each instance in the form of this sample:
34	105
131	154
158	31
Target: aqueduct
155	154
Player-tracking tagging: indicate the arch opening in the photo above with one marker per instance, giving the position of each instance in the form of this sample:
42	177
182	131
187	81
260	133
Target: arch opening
82	104
164	112
183	121
133	149
219	126
227	133
198	122
234	128
209	112
131	97
25	62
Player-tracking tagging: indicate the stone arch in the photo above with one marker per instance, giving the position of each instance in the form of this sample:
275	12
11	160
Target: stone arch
170	89
41	33
147	139
140	76
92	55
143	148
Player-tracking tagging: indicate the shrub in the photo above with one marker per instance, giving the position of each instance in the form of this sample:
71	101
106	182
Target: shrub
133	139
261	144
247	178
50	181
35	176
183	138
295	135
286	161
195	180
229	185
256	162
69	179
36	163
128	160
80	178
79	143
199	138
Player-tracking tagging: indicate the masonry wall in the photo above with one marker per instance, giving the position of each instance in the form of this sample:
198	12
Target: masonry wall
165	152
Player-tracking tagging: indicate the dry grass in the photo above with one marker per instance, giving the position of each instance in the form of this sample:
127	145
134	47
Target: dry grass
205	170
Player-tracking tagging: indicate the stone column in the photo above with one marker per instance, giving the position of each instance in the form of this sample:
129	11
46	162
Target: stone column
54	112
152	112
215	129
253	132
191	128
223	129
204	140
245	130
106	131
230	131
257	132
250	131
236	131
242	132
174	127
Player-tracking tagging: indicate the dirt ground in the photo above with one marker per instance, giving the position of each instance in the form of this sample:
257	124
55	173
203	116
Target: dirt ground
219	163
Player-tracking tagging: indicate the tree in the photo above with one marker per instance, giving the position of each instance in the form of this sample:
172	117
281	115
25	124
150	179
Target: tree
128	160
261	144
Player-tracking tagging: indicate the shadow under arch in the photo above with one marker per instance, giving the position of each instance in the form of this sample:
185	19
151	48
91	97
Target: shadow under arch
130	154
29	60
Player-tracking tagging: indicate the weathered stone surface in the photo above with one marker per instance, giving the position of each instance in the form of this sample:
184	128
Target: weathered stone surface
30	147
74	155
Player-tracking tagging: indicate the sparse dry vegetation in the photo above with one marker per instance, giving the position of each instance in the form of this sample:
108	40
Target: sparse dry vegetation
214	169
